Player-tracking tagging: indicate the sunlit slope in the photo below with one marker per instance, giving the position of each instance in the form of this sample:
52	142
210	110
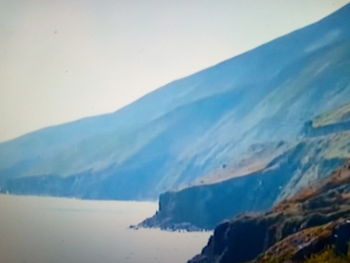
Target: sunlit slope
192	126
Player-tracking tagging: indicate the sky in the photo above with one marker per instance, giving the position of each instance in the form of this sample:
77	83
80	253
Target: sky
61	60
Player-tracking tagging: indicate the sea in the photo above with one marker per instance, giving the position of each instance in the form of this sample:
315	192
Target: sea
62	230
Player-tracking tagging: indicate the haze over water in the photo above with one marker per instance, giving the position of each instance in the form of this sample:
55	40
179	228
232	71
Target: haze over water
45	229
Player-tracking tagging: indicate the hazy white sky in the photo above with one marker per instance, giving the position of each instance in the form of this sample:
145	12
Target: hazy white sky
61	60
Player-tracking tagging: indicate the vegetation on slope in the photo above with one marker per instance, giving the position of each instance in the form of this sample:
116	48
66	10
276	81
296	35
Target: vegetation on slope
328	256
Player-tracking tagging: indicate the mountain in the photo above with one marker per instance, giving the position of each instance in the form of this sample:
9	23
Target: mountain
193	127
311	226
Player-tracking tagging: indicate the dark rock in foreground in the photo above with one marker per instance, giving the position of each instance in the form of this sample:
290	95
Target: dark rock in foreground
305	225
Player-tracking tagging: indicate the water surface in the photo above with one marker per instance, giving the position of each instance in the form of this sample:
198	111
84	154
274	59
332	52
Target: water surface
50	230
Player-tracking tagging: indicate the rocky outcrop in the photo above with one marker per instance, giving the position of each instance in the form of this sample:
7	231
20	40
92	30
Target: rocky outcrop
205	206
305	244
314	219
311	131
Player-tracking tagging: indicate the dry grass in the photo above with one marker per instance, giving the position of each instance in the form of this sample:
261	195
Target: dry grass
340	114
328	256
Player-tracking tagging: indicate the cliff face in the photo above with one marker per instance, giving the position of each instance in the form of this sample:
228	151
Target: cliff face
296	230
205	206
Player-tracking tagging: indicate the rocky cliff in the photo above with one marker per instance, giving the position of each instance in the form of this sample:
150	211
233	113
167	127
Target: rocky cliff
299	229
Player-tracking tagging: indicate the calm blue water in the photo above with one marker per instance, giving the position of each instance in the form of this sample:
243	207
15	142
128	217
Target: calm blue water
50	230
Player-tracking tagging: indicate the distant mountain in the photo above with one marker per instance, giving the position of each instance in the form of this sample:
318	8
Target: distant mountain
311	226
192	127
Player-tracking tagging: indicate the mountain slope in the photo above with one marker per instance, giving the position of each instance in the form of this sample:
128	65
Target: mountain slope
192	126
